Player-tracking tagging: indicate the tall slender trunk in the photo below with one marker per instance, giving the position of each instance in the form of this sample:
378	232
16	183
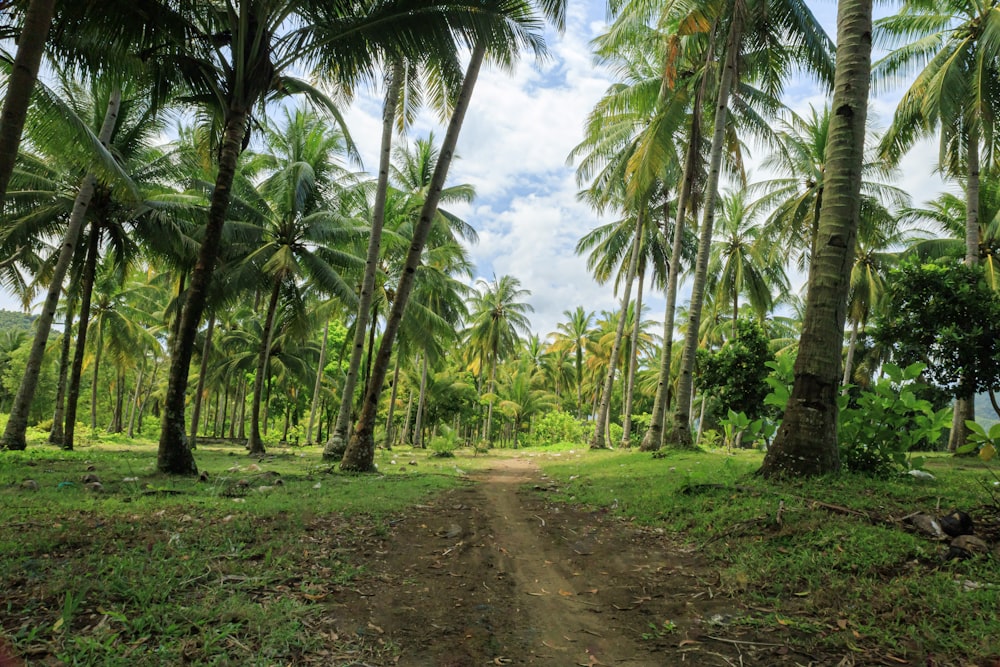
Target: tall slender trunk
134	405
117	423
76	369
98	348
849	362
682	413
654	434
579	381
318	384
206	349
56	434
174	455
418	428
255	444
30	47
17	424
148	393
633	362
392	406
806	443
241	432
965	406
409	416
488	435
597	441
338	440
360	453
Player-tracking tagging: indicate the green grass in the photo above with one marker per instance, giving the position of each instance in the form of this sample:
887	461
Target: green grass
158	570
820	569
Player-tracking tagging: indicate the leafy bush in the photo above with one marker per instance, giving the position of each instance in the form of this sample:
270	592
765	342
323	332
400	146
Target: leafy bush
445	442
615	433
889	421
640	424
556	427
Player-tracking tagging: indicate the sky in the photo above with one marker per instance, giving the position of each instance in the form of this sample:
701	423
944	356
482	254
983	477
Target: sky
518	132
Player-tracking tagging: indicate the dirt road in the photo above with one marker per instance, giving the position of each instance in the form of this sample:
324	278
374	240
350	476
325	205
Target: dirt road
493	573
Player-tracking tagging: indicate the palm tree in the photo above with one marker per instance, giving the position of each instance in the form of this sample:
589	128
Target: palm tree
571	336
806	443
14	432
523	31
746	31
301	235
951	46
261	41
497	317
411	176
742	263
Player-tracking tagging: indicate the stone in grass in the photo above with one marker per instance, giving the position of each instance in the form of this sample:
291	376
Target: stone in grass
29	485
928	525
957	522
95	487
90	478
967	546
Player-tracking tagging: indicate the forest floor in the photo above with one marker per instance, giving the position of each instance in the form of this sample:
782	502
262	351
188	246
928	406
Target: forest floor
551	557
495	573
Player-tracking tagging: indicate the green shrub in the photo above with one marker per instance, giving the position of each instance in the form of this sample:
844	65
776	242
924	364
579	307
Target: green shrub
556	427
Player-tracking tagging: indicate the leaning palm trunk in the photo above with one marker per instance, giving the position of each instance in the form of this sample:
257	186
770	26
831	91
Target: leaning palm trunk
598	441
389	430
654	434
849	361
338	439
98	348
56	433
418	426
13	436
174	455
319	383
30	46
76	370
199	392
965	406
255	444
685	382
633	361
360	454
806	443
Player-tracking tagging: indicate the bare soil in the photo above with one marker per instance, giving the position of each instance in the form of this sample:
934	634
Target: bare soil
496	573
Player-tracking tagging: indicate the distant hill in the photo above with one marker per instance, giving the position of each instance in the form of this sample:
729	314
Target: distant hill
10	319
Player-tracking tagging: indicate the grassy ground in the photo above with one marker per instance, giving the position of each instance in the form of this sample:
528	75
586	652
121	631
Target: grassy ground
152	570
849	579
156	570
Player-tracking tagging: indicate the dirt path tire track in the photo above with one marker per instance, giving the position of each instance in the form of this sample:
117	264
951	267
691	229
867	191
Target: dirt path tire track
492	573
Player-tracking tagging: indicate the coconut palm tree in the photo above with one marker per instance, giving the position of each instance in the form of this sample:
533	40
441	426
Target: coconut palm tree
524	25
806	443
950	45
571	336
301	236
497	317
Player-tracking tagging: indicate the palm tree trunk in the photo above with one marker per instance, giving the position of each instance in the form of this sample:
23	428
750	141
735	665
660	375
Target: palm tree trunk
174	456
97	374
392	406
409	417
30	47
682	413
488	435
633	362
134	405
849	362
597	441
965	406
418	427
579	382
17	424
80	350
56	435
806	443
255	444
338	440
654	434
360	453
319	383
206	349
